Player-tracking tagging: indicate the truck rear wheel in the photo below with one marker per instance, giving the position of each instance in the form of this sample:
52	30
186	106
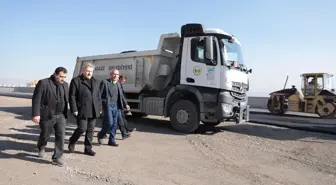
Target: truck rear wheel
184	116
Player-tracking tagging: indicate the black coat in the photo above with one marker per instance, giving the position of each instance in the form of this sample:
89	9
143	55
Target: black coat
85	98
44	99
122	88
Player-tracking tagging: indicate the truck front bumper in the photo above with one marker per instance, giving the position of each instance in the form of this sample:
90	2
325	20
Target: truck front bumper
238	113
229	108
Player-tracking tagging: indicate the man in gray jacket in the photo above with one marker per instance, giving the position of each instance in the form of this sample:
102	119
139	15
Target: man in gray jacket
113	101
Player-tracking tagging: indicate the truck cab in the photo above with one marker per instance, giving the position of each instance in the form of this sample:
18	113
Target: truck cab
212	69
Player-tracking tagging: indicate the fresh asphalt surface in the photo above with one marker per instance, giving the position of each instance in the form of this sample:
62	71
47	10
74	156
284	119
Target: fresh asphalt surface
300	121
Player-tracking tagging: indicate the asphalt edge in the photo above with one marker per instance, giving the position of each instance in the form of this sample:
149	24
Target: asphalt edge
17	95
301	128
287	115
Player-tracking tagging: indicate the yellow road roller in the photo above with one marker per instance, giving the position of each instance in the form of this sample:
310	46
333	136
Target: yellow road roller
317	96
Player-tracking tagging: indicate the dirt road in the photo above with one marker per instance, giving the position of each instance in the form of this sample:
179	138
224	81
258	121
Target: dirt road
229	154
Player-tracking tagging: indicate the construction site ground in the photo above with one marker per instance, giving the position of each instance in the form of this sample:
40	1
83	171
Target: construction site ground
232	154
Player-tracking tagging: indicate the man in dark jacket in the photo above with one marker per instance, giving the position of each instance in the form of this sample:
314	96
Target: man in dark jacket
122	80
125	131
49	110
85	105
113	101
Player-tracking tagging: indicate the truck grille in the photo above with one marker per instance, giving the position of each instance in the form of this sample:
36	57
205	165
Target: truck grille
239	87
238	91
238	97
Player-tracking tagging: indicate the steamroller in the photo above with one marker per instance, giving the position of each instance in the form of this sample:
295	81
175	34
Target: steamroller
317	96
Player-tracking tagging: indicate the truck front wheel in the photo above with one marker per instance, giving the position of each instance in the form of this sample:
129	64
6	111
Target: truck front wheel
184	116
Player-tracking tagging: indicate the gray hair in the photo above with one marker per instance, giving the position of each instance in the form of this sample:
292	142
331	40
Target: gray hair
113	70
87	64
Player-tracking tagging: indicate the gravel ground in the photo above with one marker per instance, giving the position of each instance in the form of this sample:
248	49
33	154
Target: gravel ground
155	154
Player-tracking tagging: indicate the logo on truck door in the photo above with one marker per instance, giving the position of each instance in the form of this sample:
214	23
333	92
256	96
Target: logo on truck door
197	70
211	73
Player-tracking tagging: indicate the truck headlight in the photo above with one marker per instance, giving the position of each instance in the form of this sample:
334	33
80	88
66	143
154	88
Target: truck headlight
227	107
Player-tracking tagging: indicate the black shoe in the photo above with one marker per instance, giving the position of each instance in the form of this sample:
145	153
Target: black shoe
57	162
126	136
90	152
71	147
41	152
100	141
113	144
131	130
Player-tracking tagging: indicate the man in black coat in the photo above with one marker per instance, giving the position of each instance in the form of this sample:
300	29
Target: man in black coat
49	110
113	101
85	105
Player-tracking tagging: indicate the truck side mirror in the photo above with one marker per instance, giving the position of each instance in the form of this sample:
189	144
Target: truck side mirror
208	50
249	71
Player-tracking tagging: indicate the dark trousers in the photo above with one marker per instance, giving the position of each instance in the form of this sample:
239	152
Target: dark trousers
110	123
121	123
58	123
84	125
127	127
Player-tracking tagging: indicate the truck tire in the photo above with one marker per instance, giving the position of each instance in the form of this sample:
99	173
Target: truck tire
184	116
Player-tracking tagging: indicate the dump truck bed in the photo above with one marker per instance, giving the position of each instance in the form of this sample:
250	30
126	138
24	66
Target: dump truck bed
140	67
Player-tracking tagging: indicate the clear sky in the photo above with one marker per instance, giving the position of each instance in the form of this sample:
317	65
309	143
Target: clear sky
279	38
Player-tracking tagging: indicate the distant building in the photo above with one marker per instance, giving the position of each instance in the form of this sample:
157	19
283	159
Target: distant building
32	83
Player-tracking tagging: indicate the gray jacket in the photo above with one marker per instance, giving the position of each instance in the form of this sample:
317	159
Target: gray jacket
106	94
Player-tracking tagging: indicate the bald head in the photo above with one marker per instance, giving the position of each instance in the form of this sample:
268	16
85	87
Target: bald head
114	75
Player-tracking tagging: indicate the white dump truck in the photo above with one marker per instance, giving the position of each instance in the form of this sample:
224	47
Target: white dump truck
195	77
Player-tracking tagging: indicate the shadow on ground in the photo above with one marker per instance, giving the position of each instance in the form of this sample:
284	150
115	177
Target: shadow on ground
25	150
152	125
23	113
22	150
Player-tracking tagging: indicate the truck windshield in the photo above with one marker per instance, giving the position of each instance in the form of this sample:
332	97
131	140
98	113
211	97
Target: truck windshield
232	52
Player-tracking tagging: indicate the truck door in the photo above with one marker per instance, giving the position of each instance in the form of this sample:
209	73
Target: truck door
195	71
